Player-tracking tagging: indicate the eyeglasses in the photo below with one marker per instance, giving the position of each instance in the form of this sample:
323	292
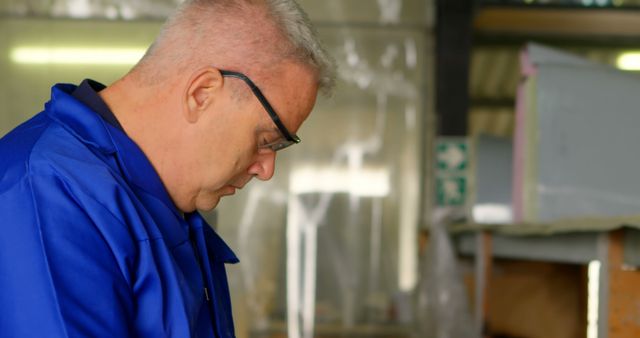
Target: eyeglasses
289	138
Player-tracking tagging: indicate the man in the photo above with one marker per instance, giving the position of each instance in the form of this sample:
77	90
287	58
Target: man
99	192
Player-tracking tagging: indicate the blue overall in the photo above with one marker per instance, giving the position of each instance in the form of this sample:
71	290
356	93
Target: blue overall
91	244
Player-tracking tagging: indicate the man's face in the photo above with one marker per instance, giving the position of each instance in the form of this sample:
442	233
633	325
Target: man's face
234	155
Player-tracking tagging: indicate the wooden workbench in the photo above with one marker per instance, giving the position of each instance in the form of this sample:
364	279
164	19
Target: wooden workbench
614	242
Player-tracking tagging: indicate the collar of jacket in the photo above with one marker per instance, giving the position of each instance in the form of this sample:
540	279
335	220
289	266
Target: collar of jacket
92	130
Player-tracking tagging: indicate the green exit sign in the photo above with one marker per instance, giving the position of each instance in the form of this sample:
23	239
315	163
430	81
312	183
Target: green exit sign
451	191
452	166
452	155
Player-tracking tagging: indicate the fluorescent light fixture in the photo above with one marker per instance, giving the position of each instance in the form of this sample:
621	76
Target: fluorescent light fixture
490	213
359	182
77	55
629	61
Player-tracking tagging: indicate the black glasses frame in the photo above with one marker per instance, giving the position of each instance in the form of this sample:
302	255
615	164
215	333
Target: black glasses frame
291	138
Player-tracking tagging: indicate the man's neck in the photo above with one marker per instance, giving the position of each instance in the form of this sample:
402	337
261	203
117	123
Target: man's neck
152	122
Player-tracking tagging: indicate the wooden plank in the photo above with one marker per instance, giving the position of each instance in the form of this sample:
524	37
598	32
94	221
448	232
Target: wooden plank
423	241
558	22
484	267
624	292
526	298
537	300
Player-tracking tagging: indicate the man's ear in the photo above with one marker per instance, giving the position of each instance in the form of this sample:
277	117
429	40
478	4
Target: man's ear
201	91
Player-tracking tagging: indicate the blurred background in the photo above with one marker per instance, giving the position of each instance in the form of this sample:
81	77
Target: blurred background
473	175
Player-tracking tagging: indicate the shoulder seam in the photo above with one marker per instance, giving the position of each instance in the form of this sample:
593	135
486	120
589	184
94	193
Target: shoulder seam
63	179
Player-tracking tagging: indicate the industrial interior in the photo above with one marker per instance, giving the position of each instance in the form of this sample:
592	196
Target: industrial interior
471	176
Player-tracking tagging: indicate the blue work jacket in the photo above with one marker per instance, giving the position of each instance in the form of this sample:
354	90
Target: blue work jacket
91	244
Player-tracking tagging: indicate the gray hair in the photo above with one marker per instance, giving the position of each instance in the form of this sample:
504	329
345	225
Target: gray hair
301	33
300	39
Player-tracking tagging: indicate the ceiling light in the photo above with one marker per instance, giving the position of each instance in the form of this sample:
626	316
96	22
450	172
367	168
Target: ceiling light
77	55
629	61
363	182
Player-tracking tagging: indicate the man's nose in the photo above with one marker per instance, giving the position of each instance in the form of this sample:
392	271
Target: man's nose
264	166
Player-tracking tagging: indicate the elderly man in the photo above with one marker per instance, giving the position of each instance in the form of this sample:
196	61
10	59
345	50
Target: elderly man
99	192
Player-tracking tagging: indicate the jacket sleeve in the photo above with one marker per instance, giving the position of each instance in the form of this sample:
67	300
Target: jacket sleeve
59	277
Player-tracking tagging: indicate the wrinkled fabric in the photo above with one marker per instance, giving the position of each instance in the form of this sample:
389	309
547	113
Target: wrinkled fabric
91	244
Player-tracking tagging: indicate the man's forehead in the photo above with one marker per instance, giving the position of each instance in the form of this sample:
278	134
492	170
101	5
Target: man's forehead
294	91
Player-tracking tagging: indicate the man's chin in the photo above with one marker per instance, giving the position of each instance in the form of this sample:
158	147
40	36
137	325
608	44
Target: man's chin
209	204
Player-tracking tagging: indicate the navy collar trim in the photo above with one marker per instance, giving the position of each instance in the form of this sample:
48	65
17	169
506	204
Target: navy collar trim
87	93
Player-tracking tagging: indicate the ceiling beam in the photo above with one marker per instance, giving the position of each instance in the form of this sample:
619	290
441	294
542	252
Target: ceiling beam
557	22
